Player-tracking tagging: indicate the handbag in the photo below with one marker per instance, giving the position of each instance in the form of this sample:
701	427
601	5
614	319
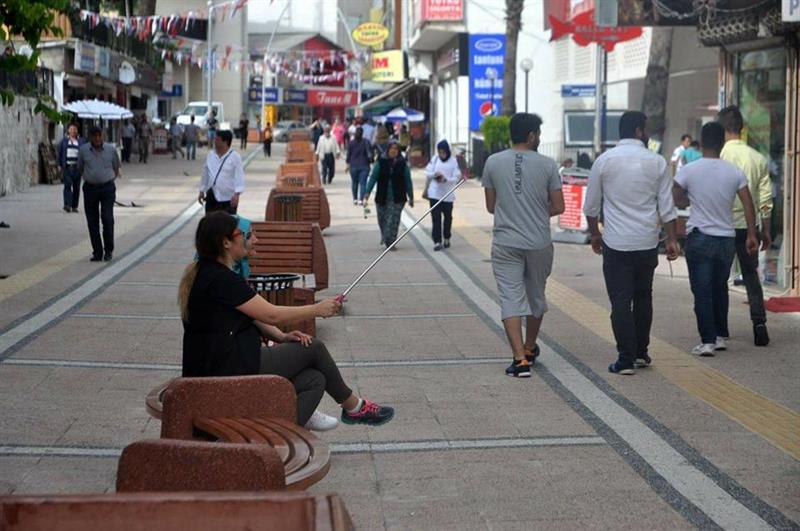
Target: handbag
210	198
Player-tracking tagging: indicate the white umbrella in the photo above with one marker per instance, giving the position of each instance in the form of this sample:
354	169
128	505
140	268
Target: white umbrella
404	114
98	109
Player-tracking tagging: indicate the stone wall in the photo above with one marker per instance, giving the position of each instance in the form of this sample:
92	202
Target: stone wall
20	133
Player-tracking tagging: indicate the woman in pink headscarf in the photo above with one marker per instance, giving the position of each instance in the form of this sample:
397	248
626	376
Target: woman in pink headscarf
338	133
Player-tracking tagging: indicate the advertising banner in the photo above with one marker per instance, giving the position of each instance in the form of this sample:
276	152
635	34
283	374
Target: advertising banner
389	66
104	62
790	11
574	190
332	98
270	94
486	55
441	10
370	34
84	57
295	96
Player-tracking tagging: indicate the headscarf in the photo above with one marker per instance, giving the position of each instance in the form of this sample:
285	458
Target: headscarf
444	146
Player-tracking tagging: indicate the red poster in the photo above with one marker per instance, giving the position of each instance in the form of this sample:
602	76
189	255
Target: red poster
439	10
332	98
573	218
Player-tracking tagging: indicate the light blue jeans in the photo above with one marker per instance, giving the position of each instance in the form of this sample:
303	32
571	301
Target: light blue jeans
358	178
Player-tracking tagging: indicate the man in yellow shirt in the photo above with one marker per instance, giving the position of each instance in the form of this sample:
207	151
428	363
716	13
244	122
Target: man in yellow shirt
754	166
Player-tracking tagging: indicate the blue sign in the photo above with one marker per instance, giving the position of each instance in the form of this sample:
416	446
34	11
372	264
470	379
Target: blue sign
177	91
486	56
295	96
577	91
270	94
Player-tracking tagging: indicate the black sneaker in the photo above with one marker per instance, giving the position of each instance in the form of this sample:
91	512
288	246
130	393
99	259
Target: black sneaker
519	369
370	413
446	243
760	335
437	247
96	258
618	368
642	361
533	354
107	257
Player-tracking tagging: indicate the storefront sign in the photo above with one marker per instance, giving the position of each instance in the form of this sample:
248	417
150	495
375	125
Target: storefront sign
104	62
84	57
574	190
441	10
176	92
295	96
791	11
486	56
370	34
270	94
388	67
332	98
577	91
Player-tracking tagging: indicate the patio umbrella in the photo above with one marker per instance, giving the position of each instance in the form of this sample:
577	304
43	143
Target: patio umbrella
98	109
404	114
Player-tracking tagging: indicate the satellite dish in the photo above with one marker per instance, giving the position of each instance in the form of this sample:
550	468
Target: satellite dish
127	74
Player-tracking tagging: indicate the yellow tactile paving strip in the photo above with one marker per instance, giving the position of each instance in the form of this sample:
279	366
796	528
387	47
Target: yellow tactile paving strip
774	422
22	280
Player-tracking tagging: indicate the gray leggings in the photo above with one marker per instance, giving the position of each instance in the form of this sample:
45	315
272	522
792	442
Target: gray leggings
311	370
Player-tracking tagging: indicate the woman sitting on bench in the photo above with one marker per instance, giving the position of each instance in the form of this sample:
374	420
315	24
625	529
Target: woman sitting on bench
224	321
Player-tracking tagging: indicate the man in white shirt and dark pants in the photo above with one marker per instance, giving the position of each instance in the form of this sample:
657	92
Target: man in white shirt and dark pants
634	189
711	185
327	152
223	176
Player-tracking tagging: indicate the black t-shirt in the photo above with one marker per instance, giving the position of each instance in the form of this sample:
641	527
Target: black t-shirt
219	340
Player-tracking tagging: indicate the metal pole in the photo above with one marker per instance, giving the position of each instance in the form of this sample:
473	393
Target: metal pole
598	97
210	54
526	90
604	101
341	297
340	14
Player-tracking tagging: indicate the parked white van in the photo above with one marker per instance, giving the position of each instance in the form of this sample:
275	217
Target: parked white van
200	111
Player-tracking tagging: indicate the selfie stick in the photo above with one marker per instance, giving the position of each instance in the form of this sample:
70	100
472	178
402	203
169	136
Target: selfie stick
341	297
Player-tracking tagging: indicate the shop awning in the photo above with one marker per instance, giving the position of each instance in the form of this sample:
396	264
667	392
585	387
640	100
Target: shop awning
98	109
394	91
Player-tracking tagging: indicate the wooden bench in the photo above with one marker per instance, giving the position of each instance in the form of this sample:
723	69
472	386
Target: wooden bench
199	511
258	409
298	175
290	247
299	134
171	465
300	151
315	208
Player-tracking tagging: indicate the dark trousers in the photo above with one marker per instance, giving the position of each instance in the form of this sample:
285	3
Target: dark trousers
444	210
72	186
127	147
243	142
268	148
749	265
358	182
629	283
311	370
328	168
709	260
98	203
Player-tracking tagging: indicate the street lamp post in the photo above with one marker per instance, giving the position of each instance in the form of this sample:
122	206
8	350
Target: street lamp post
491	74
526	65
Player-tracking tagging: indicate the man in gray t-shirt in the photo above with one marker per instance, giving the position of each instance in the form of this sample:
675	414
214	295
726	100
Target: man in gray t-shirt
523	190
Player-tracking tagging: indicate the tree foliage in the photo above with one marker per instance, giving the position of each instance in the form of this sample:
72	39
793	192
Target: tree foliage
29	19
496	133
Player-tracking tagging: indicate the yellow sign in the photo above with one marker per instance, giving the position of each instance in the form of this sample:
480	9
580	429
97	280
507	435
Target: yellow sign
388	67
370	34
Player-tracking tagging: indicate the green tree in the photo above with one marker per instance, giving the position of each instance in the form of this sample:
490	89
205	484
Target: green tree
28	19
513	27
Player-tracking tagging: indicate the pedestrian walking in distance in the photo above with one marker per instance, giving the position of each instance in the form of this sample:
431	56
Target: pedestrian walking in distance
211	124
523	191
128	133
442	175
68	152
145	132
359	157
755	168
633	187
678	158
191	132
99	166
327	152
244	128
176	136
393	177
223	176
268	141
710	185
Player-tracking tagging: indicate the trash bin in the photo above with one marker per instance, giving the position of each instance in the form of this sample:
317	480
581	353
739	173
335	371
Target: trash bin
277	288
288	207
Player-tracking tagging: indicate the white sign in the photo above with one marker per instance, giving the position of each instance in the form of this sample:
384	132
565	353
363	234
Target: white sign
791	11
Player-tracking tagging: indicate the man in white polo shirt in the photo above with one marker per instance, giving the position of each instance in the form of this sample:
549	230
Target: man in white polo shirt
711	185
223	176
632	186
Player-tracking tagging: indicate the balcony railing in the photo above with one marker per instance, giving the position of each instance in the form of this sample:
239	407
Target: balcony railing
38	82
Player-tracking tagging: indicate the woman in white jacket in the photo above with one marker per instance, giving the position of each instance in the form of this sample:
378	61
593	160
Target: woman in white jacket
443	174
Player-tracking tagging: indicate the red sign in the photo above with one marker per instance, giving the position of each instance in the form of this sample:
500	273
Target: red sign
573	218
441	10
332	98
584	32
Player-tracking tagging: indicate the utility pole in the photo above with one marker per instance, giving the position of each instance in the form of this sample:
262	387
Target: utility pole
210	54
599	100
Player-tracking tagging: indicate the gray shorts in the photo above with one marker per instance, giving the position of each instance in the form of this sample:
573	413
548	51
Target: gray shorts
521	276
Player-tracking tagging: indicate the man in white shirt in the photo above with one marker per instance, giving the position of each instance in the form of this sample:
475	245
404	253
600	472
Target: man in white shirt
223	176
678	160
327	152
712	185
632	186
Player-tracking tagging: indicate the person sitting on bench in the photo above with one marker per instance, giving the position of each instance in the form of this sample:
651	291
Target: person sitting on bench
224	321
